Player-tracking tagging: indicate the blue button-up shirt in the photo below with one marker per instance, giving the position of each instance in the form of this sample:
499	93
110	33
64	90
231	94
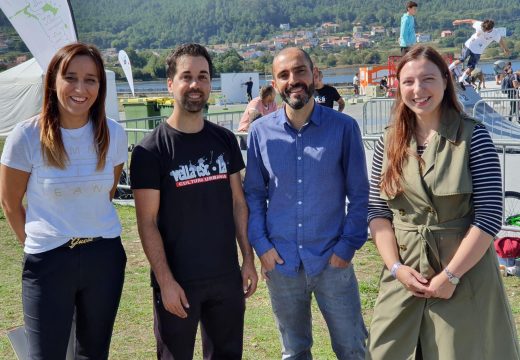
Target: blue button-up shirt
296	187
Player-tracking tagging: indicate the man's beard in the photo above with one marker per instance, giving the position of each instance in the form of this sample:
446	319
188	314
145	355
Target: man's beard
192	105
300	100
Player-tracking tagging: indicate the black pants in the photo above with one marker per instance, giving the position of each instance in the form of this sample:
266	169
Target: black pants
219	305
512	94
404	50
88	278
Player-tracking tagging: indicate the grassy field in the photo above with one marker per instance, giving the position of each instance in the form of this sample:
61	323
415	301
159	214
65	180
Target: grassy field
133	334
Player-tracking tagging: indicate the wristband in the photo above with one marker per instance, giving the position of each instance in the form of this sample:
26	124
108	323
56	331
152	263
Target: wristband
394	268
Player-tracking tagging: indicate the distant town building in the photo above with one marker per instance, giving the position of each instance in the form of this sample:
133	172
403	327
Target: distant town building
446	33
285	26
358	28
330	26
421	38
377	31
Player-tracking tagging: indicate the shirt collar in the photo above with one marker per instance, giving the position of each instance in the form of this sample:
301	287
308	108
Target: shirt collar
315	117
450	125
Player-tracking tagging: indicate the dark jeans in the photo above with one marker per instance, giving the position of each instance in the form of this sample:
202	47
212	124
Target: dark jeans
512	94
219	305
404	50
88	278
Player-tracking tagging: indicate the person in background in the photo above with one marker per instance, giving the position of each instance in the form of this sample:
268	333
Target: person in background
303	161
191	212
383	85
356	83
485	34
326	95
499	68
435	207
407	30
66	162
478	75
249	89
260	105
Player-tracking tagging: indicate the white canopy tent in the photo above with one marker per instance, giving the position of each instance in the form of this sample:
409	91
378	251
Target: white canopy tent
21	95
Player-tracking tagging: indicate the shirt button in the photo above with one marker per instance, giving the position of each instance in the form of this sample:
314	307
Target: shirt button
301	246
299	225
299	157
299	180
299	135
299	202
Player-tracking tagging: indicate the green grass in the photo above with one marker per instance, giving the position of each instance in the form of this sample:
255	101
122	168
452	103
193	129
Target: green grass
133	332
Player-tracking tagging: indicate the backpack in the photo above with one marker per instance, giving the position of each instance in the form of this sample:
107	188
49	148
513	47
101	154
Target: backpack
507	84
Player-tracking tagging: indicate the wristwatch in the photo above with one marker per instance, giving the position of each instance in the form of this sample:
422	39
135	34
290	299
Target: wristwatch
451	277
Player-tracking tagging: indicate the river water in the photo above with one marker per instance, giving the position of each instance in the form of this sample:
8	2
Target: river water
330	76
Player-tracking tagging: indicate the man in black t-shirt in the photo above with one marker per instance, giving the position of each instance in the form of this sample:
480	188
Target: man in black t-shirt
190	211
326	95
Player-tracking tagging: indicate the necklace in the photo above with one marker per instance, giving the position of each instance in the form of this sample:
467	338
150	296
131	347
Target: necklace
424	140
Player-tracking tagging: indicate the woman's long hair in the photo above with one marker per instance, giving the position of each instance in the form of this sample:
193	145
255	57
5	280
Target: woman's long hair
403	120
52	147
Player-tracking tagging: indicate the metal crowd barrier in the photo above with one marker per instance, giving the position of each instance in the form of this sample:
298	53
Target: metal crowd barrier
229	119
376	113
491	93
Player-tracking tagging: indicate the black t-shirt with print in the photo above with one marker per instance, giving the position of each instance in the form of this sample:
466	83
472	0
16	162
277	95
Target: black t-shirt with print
196	209
326	96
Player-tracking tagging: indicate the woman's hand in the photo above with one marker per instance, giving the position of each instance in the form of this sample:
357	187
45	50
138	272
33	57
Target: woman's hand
440	287
413	281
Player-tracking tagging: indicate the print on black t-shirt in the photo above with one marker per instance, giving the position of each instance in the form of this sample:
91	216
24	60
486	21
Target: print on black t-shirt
203	170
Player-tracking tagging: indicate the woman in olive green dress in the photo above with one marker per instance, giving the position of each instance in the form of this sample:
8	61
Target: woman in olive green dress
435	207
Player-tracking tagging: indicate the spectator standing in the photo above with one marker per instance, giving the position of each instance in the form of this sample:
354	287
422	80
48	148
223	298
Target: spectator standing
326	95
355	82
407	31
258	107
249	89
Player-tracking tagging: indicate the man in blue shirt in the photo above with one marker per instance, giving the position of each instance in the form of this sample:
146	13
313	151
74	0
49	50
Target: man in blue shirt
303	161
407	35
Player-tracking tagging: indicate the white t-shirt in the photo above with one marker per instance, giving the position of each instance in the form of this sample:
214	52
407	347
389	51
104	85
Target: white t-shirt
70	202
479	41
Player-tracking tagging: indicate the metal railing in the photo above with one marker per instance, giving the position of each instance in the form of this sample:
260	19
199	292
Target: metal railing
376	113
494	113
229	119
492	93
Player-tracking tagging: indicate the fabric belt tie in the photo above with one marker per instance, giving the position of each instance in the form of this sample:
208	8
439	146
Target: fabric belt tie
79	241
429	260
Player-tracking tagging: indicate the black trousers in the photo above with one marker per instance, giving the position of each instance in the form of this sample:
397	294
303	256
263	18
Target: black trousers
219	305
512	94
88	279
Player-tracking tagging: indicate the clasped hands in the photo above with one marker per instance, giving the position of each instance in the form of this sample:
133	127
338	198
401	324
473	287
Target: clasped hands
438	287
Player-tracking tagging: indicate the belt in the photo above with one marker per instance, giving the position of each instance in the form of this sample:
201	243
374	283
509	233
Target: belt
78	241
430	260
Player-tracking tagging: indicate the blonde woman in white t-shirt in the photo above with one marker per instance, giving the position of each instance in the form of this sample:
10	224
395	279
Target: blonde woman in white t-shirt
67	161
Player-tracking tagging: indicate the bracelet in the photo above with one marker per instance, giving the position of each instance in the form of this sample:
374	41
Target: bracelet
394	268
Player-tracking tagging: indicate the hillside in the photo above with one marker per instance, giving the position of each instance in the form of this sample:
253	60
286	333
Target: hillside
155	24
